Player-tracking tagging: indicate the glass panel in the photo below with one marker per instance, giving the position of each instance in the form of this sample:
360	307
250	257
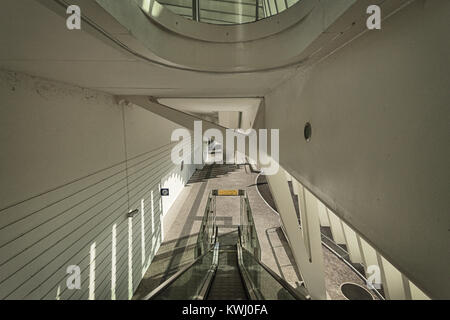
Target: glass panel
186	287
267	285
227	11
206	235
249	236
181	7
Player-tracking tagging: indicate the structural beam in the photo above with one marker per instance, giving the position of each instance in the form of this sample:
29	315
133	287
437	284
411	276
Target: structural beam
309	262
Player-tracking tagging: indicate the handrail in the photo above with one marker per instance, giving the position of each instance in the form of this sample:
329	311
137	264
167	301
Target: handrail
298	295
249	236
174	277
204	283
204	239
248	222
253	290
214	265
203	291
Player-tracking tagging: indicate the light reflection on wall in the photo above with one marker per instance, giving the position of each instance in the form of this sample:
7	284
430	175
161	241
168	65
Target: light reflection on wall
92	272
58	293
152	201
130	258
113	261
143	237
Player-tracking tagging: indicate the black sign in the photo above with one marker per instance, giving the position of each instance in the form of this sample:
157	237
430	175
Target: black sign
164	192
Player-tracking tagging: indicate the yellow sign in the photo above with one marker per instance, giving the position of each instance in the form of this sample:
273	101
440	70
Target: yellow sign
227	192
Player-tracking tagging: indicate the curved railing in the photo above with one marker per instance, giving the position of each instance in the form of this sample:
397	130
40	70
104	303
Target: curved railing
227	11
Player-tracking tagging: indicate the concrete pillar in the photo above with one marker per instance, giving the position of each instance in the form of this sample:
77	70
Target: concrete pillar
323	215
392	280
288	176
352	244
407	287
304	209
368	255
336	228
312	270
416	293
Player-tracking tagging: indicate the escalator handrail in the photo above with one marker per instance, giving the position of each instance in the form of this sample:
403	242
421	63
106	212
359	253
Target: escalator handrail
294	292
172	279
179	273
204	290
252	292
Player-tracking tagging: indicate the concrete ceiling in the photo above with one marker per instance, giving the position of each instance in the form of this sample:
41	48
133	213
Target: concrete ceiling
40	44
199	105
223	111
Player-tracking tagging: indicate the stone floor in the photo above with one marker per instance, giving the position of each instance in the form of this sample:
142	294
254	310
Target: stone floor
336	271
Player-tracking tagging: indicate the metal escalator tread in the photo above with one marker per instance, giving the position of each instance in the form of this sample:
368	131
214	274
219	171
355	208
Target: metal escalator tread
227	283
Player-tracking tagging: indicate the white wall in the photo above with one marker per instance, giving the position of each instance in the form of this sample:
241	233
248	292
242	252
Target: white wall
379	151
73	164
229	119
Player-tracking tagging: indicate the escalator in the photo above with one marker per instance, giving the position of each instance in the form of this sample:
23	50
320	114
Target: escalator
227	267
227	283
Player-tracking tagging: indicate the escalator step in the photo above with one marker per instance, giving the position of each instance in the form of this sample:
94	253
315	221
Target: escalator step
227	284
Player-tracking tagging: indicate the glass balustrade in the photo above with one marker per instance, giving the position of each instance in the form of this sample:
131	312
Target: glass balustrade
248	233
188	285
263	282
208	229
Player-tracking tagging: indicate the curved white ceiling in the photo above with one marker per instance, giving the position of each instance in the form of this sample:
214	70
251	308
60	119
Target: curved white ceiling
276	42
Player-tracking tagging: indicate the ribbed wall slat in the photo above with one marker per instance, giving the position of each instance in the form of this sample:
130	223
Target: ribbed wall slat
43	235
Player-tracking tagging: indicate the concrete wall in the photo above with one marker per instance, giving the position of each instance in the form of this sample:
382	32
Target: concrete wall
229	119
73	163
379	153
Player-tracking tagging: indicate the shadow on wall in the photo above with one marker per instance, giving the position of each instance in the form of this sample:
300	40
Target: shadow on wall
84	224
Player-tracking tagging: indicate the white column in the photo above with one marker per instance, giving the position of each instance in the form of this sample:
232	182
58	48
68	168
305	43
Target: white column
304	209
392	280
368	255
323	215
416	293
288	176
336	228
407	287
312	271
352	244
